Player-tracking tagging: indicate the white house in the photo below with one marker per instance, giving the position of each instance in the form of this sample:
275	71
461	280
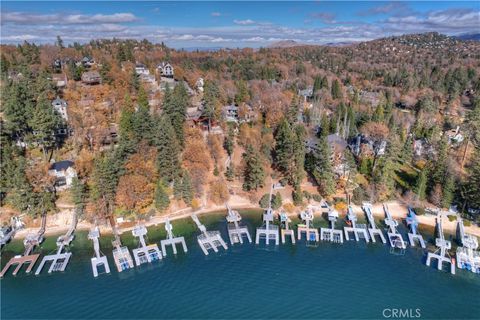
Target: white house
141	69
60	106
165	69
64	173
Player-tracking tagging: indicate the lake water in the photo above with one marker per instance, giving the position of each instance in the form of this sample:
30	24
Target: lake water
353	280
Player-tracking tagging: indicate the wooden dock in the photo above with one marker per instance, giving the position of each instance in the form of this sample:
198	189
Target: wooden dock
19	261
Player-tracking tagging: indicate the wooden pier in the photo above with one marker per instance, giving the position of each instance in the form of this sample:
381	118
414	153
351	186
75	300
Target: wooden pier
99	260
60	259
311	233
236	232
145	253
208	239
172	240
359	231
331	234
30	242
373	230
285	231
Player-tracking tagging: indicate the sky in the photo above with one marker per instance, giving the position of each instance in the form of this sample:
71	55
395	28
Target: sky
232	24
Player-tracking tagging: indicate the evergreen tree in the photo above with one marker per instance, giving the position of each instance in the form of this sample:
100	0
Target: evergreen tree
289	151
78	193
448	191
472	185
277	201
142	121
321	168
253	173
336	90
44	123
187	189
230	173
104	181
379	114
421	185
168	163
162	200
211	97
229	142
175	106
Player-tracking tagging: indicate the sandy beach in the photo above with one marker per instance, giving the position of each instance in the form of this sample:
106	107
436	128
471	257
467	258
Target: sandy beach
60	221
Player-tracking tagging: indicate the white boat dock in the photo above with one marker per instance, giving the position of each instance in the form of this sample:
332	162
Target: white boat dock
172	240
373	230
121	255
208	239
359	231
331	234
30	242
99	260
268	230
311	233
285	230
394	237
236	232
413	236
441	254
145	253
468	257
60	259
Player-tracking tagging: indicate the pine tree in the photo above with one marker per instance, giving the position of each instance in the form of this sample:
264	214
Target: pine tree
78	193
142	121
277	201
44	123
187	189
229	142
448	191
162	200
322	167
168	163
472	185
175	106
379	114
421	185
211	97
336	90
253	173
230	173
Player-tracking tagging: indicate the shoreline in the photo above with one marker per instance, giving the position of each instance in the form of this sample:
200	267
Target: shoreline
398	211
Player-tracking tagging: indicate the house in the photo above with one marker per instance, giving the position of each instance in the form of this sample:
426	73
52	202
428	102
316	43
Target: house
307	93
364	146
60	106
230	113
235	113
454	136
422	147
165	69
141	69
91	77
59	80
86	61
57	64
64	173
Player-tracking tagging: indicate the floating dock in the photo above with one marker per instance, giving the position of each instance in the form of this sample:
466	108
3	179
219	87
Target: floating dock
468	257
285	230
30	242
208	239
145	253
311	233
267	231
99	260
331	234
413	236
373	230
394	237
236	232
172	240
60	259
441	254
358	230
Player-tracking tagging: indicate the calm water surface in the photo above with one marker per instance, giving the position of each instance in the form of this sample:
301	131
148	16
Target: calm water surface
353	280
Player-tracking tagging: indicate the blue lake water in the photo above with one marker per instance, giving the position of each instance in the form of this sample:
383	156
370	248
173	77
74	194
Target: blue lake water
353	280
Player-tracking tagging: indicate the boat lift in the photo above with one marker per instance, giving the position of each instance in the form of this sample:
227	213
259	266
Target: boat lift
311	233
394	237
60	259
172	240
208	239
331	234
413	235
285	230
373	230
121	255
235	230
359	230
268	230
99	259
30	242
441	254
144	253
468	257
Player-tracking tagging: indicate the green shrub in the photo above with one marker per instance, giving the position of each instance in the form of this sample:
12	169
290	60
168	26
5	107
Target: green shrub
317	197
467	223
419	211
452	218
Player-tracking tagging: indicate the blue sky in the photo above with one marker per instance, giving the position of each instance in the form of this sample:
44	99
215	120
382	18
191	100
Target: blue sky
232	24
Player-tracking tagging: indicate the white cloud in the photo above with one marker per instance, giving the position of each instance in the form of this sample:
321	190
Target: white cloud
244	22
215	14
57	18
